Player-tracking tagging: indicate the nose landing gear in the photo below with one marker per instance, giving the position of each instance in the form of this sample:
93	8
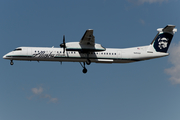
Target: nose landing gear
11	63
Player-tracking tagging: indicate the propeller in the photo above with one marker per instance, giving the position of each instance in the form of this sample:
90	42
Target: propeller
63	45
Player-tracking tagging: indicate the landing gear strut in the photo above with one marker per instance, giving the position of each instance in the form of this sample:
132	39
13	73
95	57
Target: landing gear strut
88	62
11	63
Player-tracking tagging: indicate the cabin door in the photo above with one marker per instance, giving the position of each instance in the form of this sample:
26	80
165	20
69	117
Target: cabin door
119	56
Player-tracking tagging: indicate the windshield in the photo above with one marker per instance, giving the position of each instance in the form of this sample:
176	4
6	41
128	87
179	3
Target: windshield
18	49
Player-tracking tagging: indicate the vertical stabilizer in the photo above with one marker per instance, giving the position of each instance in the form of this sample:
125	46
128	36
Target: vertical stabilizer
163	39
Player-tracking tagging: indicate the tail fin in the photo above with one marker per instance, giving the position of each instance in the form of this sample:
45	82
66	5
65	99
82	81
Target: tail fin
163	39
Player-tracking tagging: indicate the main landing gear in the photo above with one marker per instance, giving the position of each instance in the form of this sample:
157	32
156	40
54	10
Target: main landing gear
11	63
88	62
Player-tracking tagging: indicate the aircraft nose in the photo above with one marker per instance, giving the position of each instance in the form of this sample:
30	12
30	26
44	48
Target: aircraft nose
4	57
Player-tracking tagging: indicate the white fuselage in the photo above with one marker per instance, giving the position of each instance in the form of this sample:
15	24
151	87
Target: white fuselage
88	51
108	56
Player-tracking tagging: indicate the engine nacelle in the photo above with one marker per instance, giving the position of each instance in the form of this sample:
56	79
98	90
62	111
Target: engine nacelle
76	46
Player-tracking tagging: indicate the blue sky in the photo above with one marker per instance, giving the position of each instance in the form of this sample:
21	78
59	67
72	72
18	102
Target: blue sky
48	90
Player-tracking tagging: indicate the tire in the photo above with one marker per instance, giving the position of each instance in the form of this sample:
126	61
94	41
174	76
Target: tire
84	70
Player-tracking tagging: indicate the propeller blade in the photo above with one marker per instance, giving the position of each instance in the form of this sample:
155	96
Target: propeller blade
63	45
64	39
63	49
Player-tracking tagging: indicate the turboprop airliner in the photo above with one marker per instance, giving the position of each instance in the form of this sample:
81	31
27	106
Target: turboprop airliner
86	50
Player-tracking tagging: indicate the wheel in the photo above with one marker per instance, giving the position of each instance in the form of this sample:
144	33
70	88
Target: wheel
88	62
11	63
84	70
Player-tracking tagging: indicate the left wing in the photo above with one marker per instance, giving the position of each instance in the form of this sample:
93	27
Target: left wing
86	44
88	38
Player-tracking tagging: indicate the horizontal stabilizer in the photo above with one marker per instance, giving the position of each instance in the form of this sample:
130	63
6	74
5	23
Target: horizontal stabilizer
168	28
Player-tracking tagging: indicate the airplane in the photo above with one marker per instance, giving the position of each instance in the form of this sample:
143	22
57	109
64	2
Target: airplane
86	50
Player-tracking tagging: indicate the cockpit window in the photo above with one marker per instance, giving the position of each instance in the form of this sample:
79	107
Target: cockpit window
18	49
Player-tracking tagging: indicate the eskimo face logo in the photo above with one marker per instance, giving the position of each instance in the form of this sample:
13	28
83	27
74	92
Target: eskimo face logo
162	42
